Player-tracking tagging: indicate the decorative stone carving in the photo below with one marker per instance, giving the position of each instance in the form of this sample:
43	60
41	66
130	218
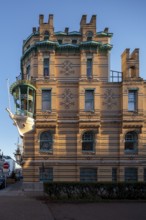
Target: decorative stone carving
67	68
110	99
67	98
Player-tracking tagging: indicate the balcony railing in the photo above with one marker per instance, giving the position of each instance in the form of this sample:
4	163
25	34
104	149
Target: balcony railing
116	76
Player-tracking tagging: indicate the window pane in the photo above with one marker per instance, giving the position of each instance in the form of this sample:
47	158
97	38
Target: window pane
46	141
88	141
46	67
131	142
46	174
89	67
131	175
88	175
132	100
89	100
28	72
46	100
144	174
114	174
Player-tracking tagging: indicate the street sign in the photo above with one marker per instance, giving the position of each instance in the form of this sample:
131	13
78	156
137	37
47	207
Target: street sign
6	166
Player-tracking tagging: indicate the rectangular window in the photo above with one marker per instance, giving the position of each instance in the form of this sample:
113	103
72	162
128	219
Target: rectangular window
132	100
144	174
89	100
89	67
46	174
28	72
46	100
114	174
131	175
46	67
88	175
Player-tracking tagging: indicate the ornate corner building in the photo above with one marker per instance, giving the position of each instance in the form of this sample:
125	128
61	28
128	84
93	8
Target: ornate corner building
79	120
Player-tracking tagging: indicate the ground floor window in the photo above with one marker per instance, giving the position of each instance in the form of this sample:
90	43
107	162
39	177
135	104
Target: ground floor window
144	174
88	174
114	174
131	175
46	174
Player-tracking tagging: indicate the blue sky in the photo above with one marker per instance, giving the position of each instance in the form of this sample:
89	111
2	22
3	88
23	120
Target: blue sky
124	18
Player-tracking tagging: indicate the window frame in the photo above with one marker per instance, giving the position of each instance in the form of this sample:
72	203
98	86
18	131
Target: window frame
89	100
74	41
132	100
44	141
114	174
88	137
144	174
49	100
28	68
131	141
46	67
89	69
46	172
89	36
129	177
86	174
46	35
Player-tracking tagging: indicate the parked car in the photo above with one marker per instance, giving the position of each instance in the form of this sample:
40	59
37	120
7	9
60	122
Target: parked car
2	182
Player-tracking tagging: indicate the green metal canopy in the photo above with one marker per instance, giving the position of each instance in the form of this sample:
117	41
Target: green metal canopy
21	83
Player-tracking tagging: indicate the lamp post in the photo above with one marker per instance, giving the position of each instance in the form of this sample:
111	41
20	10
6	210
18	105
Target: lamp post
18	155
1	155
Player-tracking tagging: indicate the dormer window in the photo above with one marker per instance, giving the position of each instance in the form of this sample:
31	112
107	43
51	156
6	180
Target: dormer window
89	36
46	35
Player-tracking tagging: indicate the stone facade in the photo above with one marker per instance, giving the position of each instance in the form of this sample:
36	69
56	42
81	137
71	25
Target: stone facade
87	126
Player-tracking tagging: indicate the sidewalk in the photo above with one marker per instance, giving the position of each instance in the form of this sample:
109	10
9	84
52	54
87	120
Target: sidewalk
15	205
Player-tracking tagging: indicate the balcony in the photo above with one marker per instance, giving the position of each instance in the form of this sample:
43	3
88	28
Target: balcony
116	76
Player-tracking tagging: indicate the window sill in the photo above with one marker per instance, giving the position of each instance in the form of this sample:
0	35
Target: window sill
46	151
92	111
88	152
131	152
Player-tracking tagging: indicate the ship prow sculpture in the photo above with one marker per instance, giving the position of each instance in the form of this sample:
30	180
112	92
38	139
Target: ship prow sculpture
23	93
24	124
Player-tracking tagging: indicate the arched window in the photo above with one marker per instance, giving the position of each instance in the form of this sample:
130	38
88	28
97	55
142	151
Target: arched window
88	141
89	36
46	141
131	142
46	35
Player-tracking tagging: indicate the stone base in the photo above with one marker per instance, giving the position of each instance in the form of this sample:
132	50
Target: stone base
33	187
